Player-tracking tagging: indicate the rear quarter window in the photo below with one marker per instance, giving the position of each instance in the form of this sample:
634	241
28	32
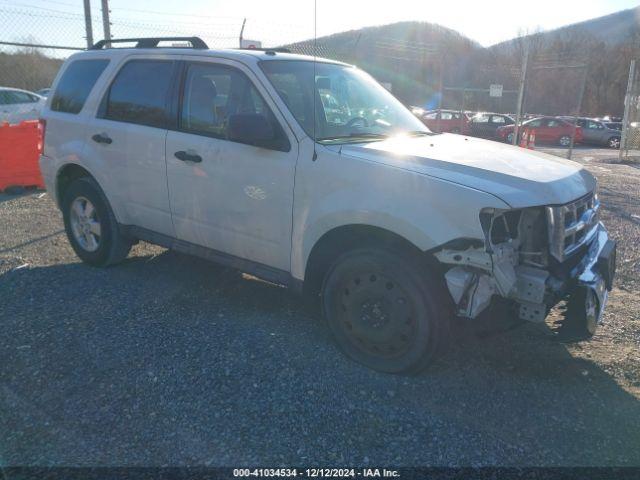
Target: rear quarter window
76	84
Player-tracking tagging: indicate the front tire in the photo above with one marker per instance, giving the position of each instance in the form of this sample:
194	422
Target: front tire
614	142
91	226
581	316
383	310
564	140
509	138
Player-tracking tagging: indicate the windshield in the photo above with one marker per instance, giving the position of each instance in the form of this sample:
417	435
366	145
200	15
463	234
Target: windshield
350	104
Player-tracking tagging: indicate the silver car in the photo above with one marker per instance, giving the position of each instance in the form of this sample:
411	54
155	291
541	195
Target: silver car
598	133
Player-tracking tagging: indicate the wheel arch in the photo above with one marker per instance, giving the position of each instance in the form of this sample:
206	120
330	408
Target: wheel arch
342	238
66	175
71	171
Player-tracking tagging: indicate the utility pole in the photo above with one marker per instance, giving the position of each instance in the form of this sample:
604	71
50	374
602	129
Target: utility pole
523	80
106	24
87	23
627	107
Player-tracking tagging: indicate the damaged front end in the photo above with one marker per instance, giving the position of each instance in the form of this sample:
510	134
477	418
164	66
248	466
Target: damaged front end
534	257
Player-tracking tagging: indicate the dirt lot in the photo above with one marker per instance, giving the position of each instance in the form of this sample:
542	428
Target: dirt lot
168	360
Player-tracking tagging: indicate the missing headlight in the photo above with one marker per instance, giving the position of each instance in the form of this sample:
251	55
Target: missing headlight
526	228
500	225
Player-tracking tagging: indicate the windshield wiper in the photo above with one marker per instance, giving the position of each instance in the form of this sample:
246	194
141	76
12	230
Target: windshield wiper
420	133
355	135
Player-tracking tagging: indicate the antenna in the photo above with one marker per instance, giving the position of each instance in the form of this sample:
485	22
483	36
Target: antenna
313	83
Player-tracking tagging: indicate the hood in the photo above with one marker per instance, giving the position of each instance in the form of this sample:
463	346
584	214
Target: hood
518	176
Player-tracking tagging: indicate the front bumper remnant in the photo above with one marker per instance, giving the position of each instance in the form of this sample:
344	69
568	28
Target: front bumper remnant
597	269
476	275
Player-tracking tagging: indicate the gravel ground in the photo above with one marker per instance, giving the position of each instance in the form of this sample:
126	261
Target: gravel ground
168	360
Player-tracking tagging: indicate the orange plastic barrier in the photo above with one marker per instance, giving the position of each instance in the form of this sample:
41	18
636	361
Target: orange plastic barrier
20	147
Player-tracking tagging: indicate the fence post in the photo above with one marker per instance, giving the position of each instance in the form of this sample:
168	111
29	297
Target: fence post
440	92
87	23
627	107
523	80
241	33
578	111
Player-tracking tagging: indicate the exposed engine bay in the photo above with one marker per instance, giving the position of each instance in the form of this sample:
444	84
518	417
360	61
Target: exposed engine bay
533	257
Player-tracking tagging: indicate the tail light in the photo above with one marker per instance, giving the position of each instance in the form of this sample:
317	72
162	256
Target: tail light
42	125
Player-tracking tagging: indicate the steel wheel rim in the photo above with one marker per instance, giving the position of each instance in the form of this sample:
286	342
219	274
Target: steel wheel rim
85	224
377	315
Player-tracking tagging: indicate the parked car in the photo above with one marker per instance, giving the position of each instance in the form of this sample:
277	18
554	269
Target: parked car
43	92
484	125
17	105
450	121
383	223
597	133
550	130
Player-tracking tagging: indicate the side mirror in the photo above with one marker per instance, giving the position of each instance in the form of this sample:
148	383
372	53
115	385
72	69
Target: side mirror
251	128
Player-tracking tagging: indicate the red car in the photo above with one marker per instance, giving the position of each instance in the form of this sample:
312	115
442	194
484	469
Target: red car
451	121
546	129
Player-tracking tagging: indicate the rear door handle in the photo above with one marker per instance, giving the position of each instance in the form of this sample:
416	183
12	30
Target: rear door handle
188	157
102	138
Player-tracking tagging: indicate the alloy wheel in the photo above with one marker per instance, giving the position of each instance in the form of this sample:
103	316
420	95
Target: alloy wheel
85	224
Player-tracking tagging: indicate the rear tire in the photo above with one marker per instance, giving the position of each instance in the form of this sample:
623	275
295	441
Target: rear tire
384	311
91	226
509	138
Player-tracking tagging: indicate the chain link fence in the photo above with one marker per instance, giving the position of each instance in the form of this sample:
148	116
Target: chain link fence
34	43
423	71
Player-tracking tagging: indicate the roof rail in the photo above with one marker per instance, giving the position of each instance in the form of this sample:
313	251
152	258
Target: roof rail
151	42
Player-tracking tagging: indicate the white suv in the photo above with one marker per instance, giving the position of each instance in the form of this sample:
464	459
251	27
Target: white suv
310	174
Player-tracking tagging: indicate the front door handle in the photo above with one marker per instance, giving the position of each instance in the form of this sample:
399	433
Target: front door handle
188	157
102	138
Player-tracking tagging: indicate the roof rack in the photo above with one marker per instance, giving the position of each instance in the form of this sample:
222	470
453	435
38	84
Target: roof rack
151	42
267	50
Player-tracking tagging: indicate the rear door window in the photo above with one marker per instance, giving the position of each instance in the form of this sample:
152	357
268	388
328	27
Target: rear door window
76	84
140	93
